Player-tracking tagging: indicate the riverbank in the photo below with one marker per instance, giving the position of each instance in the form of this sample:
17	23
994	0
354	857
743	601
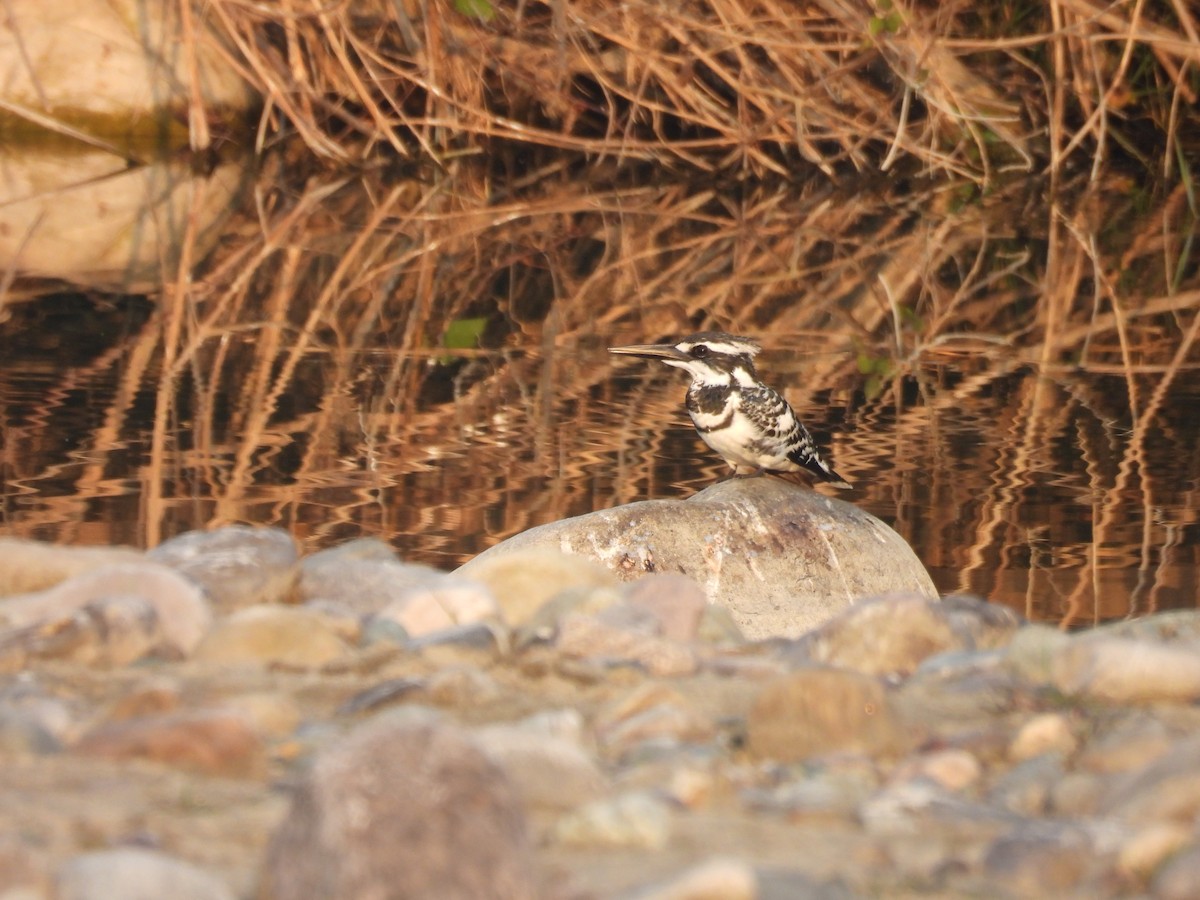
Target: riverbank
618	741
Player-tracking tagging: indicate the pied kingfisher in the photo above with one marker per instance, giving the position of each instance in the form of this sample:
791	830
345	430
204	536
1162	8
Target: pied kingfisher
747	423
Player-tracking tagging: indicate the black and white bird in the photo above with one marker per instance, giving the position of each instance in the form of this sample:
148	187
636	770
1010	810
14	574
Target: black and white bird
750	425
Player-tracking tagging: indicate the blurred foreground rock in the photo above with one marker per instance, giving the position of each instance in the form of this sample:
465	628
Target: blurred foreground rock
781	558
404	806
351	725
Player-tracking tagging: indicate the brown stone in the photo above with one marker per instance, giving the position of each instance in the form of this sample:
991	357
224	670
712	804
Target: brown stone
405	806
523	580
882	636
815	711
28	566
1178	876
238	565
182	612
1039	861
676	602
288	635
215	742
1124	670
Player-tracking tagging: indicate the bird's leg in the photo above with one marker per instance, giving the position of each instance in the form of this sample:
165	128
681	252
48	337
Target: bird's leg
752	471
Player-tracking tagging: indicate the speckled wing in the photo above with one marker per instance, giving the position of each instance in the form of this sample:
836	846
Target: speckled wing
781	426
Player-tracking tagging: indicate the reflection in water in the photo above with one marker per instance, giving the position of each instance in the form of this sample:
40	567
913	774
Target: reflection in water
1038	459
83	215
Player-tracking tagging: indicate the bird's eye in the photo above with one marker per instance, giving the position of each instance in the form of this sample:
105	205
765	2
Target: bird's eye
700	351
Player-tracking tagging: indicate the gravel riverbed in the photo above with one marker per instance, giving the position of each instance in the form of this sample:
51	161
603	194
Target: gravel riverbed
221	717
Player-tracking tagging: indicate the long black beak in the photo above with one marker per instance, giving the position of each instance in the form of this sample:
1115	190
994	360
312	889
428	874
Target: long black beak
650	351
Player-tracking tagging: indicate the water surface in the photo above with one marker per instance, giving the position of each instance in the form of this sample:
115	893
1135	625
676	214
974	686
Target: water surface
370	361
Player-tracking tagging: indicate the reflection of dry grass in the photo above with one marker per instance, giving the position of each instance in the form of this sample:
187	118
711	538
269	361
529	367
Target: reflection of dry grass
300	379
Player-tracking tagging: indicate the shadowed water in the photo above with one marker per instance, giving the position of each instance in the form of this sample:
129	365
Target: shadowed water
441	381
1018	491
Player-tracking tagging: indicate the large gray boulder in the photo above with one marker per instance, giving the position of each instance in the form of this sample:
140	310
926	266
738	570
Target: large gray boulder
782	558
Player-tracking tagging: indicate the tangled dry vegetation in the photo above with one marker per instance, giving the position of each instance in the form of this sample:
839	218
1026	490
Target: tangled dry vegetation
739	87
518	133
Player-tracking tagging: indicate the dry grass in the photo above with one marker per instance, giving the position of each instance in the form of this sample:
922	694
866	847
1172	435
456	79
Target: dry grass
742	87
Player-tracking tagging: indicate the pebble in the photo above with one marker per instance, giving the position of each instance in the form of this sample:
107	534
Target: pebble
1173	626
27	567
1167	790
823	794
1075	794
364	578
1026	788
439	605
611	638
406	805
22	875
268	713
461	686
23	732
953	769
947	700
108	633
34	718
238	565
814	711
548	771
685	785
340	618
638	819
155	695
1177	878
667	724
364	549
1148	848
285	635
135	873
618	740
715	879
1039	859
1033	651
541	627
381	695
183	613
650	712
718	626
1044	733
1119	670
676	602
523	580
980	625
1131	742
481	643
215	742
881	636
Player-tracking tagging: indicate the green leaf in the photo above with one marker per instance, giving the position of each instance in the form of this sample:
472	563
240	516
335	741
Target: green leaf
479	9
464	334
911	318
890	24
